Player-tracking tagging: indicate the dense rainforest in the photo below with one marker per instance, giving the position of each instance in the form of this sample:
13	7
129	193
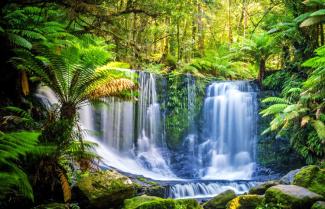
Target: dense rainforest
93	52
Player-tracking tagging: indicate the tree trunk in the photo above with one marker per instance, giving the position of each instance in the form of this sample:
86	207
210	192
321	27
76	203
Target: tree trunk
200	28
229	22
321	34
261	74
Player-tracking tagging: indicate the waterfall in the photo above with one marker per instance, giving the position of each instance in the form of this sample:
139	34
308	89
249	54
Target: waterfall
229	136
219	144
207	190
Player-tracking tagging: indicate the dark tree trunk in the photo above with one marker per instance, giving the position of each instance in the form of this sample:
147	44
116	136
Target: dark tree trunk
261	74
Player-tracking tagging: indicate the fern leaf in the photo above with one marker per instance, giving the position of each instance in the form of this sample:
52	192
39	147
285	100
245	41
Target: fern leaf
273	109
320	128
65	186
275	100
17	40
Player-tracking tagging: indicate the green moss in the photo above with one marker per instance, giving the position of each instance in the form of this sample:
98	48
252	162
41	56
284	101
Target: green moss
290	196
187	204
144	180
150	202
106	188
318	205
260	189
311	177
137	201
245	202
220	201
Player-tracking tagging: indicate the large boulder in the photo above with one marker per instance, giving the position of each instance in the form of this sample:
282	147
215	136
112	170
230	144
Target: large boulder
288	178
106	189
291	196
318	205
311	177
245	202
220	201
150	202
261	188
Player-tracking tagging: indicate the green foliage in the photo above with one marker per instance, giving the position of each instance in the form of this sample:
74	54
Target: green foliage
299	114
13	147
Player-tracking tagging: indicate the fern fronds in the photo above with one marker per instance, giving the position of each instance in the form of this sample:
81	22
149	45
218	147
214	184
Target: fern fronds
275	100
65	186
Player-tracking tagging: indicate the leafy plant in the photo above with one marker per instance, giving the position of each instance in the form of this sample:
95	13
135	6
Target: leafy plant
13	147
299	114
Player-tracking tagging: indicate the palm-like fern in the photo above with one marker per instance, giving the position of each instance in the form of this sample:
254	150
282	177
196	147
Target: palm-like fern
13	146
258	49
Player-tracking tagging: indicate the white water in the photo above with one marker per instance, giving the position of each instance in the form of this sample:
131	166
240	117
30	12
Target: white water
229	114
206	190
131	136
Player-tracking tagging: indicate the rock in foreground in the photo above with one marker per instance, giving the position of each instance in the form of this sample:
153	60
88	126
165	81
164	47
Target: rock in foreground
261	189
311	177
150	202
220	201
245	202
106	189
291	196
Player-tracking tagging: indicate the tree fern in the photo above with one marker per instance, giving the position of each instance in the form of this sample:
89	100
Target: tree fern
299	115
13	146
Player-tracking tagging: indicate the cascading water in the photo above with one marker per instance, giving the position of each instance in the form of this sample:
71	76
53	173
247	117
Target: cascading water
131	134
226	148
229	113
219	145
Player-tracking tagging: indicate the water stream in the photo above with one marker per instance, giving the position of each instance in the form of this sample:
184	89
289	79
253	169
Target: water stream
132	137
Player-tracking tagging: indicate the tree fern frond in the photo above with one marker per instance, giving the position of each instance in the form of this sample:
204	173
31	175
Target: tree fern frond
275	100
65	186
273	109
17	40
112	88
320	128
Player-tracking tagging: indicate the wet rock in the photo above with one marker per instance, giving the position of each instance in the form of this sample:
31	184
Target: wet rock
150	202
261	188
106	189
291	196
318	205
311	177
155	190
245	202
220	201
288	178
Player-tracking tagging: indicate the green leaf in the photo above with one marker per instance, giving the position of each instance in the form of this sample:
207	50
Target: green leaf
320	128
312	21
318	13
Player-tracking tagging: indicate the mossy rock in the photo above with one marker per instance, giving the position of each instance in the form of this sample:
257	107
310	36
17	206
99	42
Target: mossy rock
156	190
150	202
220	201
318	205
106	189
290	196
187	204
245	202
311	177
260	189
52	206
